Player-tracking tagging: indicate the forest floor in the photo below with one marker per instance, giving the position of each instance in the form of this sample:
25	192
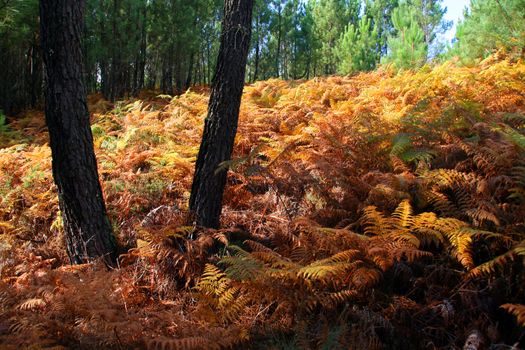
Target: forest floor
378	211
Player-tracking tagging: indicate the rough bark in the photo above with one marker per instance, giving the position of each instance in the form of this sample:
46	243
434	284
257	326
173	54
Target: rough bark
223	112
87	228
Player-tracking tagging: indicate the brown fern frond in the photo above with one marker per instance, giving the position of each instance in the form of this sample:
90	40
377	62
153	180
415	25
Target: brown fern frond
33	304
332	300
517	310
490	267
365	277
520	249
190	343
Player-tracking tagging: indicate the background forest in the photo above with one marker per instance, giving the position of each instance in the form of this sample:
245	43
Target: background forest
132	45
375	198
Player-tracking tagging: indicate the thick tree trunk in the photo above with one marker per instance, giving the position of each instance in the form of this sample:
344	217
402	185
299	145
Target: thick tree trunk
87	227
223	112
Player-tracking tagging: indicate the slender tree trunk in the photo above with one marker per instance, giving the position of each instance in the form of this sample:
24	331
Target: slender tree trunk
87	228
203	68
308	64
223	112
257	49
143	48
166	83
278	53
178	68
189	76
36	86
105	79
113	71
208	59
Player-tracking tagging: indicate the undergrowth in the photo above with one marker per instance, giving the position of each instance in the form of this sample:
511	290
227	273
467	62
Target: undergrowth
377	211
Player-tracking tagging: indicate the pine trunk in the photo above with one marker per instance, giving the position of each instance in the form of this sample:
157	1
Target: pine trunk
87	228
223	112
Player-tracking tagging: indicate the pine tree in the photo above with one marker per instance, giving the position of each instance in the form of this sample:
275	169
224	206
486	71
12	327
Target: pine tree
356	50
87	228
223	112
430	16
380	14
330	18
260	25
21	73
407	47
490	25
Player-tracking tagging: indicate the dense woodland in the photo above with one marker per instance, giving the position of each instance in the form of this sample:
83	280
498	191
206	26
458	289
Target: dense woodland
246	174
171	45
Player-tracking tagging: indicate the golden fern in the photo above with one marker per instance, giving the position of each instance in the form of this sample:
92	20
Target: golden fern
412	230
403	215
459	237
322	270
220	294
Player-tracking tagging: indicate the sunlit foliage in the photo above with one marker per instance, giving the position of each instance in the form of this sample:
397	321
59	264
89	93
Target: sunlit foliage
365	212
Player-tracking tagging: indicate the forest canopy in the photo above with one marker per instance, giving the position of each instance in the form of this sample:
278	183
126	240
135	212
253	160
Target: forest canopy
130	45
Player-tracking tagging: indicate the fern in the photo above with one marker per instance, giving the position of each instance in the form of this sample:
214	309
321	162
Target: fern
33	304
490	267
403	217
517	310
460	239
190	343
241	266
321	270
345	216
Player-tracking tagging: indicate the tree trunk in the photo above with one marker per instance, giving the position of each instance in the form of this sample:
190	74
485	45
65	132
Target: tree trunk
87	228
189	75
278	53
166	83
143	48
257	50
223	112
208	59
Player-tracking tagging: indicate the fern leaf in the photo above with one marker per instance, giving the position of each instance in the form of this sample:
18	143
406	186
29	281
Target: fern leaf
190	343
403	215
32	304
317	271
336	298
400	144
517	310
374	222
490	267
520	249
